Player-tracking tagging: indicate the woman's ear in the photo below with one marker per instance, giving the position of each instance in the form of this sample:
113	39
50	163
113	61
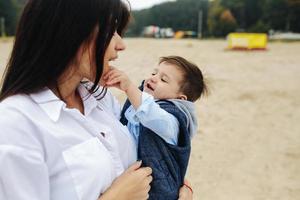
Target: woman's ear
182	97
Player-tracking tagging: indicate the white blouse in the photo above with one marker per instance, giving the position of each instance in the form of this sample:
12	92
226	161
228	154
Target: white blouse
49	151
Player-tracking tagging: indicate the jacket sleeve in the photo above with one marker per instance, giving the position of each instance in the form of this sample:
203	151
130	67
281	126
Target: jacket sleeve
152	116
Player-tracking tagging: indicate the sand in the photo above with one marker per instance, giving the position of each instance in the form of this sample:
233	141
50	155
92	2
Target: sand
248	142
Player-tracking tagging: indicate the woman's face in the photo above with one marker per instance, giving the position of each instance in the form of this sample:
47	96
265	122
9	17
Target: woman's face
116	44
85	55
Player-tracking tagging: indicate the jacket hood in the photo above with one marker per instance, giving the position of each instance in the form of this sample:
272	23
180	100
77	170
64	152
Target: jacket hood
188	108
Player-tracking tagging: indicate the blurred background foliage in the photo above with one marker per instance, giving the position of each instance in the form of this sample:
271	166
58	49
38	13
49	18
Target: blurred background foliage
10	10
220	17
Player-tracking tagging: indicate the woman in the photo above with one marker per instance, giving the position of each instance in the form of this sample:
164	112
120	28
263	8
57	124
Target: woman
60	137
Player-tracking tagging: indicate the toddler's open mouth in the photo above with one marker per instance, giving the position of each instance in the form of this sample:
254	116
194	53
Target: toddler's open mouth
149	86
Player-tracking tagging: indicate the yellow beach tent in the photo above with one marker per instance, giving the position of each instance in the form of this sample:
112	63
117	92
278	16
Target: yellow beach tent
247	41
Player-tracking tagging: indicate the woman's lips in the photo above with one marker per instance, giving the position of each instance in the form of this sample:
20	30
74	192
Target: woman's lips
113	58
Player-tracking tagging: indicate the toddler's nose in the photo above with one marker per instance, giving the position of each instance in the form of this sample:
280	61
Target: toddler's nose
154	78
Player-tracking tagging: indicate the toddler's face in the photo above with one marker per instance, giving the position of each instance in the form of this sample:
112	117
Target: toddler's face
165	82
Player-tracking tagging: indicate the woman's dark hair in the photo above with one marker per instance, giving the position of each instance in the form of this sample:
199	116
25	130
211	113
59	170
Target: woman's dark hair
49	35
193	84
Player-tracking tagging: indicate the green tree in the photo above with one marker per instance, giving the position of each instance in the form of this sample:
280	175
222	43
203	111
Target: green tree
237	7
222	16
8	11
220	20
276	14
11	10
293	21
179	15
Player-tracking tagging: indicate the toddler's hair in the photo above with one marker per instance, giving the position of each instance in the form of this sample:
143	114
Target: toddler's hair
192	85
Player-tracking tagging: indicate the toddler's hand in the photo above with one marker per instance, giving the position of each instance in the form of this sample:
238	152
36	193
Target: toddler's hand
118	79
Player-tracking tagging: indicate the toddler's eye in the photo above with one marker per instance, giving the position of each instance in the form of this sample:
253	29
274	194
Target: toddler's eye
153	74
163	80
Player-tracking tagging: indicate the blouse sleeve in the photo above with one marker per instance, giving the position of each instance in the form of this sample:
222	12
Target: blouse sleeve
23	174
23	171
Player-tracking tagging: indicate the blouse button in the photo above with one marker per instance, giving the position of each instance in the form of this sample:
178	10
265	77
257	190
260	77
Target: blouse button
103	134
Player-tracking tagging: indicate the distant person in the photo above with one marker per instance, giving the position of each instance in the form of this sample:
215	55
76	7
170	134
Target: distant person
58	141
161	117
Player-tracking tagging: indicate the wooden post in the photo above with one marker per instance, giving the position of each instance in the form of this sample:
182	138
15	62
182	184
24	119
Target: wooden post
200	19
2	26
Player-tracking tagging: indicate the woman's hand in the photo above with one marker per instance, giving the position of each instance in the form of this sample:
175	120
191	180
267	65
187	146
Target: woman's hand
133	184
186	192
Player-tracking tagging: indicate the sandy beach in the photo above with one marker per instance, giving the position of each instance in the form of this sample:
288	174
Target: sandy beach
248	141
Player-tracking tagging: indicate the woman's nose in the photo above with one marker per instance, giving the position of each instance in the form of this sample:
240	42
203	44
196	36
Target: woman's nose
120	43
